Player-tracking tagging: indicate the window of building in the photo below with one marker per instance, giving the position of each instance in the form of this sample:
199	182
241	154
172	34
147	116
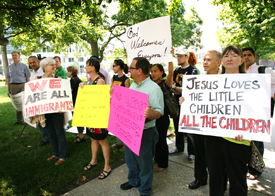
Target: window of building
81	59
71	60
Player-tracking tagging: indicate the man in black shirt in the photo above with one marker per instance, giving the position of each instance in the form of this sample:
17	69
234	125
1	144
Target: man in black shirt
183	69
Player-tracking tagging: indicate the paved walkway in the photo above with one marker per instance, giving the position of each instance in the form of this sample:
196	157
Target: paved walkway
175	179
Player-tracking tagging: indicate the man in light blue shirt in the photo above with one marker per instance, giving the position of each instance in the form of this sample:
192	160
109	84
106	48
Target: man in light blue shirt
141	167
17	75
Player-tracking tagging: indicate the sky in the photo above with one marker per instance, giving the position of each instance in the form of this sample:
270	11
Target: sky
207	13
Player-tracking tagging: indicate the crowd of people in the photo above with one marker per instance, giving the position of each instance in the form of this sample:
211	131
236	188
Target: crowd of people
222	158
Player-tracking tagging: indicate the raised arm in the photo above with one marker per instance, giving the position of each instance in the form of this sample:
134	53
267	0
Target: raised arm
169	79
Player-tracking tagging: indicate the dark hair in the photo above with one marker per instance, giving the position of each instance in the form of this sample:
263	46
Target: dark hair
96	57
122	65
73	69
58	58
192	60
33	57
250	49
94	62
16	52
143	64
238	51
160	67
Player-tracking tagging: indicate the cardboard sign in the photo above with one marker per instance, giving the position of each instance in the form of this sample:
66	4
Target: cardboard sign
47	95
92	107
16	100
150	39
127	118
226	105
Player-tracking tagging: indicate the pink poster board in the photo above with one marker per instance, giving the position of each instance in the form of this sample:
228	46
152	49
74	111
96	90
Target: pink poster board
127	119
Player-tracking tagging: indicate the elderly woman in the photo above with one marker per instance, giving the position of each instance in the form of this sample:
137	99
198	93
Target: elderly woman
54	121
72	72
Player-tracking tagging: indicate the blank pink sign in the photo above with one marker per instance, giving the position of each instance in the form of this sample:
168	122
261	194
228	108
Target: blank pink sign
126	120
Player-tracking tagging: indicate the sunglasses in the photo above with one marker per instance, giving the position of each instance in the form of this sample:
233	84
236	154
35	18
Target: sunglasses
115	65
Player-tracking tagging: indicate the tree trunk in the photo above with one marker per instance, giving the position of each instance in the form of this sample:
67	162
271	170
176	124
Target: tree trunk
5	59
257	59
94	47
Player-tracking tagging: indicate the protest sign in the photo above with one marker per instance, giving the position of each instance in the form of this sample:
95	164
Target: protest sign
47	95
92	106
226	105
127	118
16	100
150	39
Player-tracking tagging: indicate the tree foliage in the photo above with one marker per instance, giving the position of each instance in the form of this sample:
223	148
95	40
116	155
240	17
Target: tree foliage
22	16
94	24
247	24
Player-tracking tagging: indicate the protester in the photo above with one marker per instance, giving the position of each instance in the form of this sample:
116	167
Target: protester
232	154
103	71
72	72
192	60
54	121
184	69
162	124
97	135
37	72
141	168
60	71
120	79
211	64
17	75
252	67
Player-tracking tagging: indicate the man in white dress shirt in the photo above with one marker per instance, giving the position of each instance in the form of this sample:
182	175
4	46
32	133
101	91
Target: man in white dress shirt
252	67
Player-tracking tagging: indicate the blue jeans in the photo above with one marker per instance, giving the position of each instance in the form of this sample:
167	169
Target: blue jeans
141	168
260	146
55	129
45	135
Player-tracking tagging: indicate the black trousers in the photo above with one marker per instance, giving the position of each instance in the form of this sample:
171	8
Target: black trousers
180	136
200	160
222	154
162	151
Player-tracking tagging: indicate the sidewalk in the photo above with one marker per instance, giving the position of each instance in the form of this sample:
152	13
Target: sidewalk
175	179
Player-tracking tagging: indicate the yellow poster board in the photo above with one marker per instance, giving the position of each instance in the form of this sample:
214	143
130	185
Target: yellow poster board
92	107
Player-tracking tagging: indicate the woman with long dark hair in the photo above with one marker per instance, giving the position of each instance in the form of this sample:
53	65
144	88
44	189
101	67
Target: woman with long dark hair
122	80
97	135
162	124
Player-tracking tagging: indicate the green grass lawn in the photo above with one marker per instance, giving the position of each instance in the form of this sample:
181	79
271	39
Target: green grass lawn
24	169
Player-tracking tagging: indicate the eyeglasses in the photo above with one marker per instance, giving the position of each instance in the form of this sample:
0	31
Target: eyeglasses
51	64
115	65
133	68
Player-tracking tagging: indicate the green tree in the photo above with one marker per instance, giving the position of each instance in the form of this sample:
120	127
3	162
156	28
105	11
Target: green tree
247	24
20	16
94	24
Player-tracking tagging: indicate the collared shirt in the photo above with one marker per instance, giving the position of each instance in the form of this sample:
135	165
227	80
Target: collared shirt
61	72
155	97
254	69
18	73
37	73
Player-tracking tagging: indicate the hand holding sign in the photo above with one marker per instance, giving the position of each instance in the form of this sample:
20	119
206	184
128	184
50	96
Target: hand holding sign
126	121
143	41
